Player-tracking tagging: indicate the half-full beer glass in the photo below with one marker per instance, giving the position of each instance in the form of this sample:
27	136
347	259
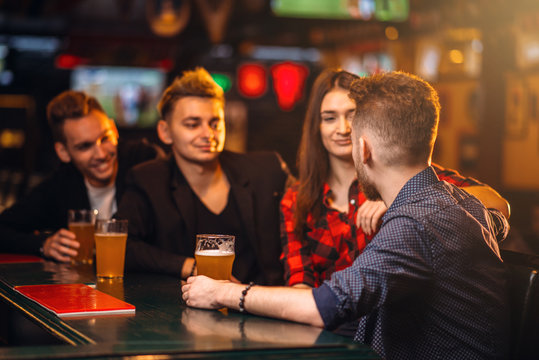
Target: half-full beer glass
82	223
215	255
110	238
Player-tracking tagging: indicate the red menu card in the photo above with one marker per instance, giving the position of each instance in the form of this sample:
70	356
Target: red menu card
69	300
18	258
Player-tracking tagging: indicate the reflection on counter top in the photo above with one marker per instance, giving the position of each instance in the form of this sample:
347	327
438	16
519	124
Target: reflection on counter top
163	324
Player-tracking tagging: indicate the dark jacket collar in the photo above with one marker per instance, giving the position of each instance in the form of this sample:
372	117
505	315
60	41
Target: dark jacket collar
239	186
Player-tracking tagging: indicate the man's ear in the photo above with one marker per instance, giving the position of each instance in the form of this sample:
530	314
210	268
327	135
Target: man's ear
62	152
365	153
163	131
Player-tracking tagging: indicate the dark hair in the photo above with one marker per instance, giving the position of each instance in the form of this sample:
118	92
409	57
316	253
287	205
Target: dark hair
402	111
313	160
196	82
69	105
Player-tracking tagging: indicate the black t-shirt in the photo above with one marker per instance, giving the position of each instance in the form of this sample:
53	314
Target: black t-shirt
228	222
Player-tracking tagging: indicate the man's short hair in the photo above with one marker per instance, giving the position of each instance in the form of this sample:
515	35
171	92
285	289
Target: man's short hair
69	105
197	82
402	111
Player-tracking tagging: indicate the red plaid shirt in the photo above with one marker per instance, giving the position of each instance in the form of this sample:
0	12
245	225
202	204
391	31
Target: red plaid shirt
334	241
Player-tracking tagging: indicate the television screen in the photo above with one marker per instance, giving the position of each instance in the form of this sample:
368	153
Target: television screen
129	95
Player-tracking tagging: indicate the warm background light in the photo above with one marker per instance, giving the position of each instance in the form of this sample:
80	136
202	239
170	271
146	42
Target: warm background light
456	56
252	81
392	33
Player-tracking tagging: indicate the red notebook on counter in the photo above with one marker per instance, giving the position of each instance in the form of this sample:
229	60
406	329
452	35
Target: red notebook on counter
69	300
18	258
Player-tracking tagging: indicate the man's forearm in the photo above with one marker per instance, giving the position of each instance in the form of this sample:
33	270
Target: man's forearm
287	303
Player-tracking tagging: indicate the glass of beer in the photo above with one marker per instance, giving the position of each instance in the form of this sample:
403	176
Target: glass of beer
214	255
110	238
82	222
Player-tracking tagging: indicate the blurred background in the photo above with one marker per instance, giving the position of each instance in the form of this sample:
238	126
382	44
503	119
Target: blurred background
481	55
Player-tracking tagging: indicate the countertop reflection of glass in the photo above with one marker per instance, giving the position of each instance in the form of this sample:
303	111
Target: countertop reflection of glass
111	286
62	273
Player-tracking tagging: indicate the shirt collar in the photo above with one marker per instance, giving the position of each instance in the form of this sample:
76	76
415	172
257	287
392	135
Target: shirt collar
327	193
417	183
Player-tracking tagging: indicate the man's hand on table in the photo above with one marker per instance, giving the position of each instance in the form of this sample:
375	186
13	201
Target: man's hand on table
202	292
61	246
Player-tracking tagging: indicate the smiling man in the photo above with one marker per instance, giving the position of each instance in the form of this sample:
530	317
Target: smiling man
90	143
90	177
203	189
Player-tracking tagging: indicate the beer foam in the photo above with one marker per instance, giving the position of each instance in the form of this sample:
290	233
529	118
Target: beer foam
111	234
214	252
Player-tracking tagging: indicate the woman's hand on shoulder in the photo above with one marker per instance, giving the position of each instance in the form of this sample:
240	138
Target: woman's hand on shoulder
369	216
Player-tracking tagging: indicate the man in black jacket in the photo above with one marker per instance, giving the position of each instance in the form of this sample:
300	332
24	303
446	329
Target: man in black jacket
93	169
203	189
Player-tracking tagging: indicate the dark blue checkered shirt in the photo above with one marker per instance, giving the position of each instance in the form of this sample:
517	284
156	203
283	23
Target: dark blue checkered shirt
431	284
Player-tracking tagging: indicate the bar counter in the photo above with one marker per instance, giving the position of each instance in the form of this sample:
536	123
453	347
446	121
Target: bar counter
163	326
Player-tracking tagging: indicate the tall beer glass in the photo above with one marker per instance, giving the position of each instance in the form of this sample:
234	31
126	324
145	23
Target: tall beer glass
82	223
215	255
110	239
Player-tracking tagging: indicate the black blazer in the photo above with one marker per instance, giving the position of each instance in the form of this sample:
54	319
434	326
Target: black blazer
160	208
25	226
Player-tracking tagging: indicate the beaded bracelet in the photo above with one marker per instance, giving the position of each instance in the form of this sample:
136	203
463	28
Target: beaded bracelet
243	294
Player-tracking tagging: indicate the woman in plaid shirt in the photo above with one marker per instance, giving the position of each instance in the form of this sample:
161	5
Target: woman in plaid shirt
326	220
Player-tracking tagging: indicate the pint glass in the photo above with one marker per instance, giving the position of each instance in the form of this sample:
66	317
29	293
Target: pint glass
110	238
82	222
214	255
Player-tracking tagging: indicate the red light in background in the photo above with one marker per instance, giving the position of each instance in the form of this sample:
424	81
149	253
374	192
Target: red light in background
252	80
68	61
165	64
288	83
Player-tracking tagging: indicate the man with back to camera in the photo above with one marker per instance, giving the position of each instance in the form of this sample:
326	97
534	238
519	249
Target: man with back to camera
91	176
202	189
431	283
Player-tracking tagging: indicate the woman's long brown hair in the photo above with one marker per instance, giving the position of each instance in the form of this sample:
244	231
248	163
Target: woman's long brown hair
313	160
